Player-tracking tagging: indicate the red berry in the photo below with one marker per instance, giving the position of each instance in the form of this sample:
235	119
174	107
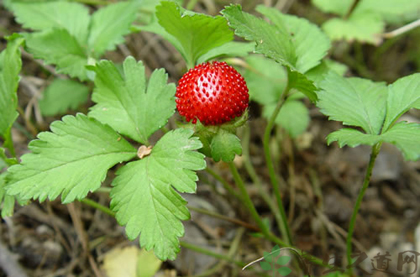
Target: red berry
213	93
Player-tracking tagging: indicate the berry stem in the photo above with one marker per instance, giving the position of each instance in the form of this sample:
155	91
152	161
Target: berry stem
284	227
248	203
375	151
256	179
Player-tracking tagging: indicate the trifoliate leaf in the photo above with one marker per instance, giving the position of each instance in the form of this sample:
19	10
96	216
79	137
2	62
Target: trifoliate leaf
109	25
361	26
293	117
9	78
196	33
354	101
144	195
311	44
39	16
403	95
59	47
127	104
406	136
72	160
224	146
265	78
233	49
352	138
62	95
272	41
7	202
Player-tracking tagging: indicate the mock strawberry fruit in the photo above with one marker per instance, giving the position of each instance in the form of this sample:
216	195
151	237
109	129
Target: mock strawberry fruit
213	93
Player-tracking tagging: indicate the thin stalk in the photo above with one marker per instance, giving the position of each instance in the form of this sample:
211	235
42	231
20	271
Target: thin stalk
375	151
246	199
273	178
255	179
98	206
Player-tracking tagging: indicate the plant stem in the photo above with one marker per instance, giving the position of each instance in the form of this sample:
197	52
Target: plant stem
375	151
273	178
254	176
403	29
98	206
248	203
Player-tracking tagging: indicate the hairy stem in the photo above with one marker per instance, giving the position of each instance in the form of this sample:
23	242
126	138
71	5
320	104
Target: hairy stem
271	171
375	151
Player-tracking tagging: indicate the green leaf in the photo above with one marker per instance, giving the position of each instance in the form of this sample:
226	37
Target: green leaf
283	260
337	7
403	95
62	95
10	65
37	16
355	101
230	49
310	43
390	10
406	136
300	82
72	160
265	265
127	104
225	146
265	78
395	12
284	271
352	138
196	33
110	25
362	26
293	117
144	197
272	41
7	202
59	47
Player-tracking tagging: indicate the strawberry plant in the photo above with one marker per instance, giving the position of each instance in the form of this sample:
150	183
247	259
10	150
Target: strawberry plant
278	60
